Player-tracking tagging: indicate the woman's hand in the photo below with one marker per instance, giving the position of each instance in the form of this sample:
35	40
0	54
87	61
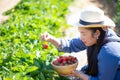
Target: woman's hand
73	74
79	74
49	38
46	37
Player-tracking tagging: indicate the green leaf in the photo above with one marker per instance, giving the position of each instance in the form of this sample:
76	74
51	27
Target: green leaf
28	78
36	63
42	77
30	69
6	69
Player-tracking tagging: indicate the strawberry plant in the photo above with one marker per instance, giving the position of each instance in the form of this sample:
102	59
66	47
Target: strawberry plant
22	56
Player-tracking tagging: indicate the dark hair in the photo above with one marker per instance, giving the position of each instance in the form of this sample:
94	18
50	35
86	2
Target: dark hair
92	52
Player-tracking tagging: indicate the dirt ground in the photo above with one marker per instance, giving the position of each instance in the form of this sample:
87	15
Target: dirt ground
6	5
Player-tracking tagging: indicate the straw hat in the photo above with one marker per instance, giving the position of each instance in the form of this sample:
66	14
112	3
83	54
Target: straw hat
93	17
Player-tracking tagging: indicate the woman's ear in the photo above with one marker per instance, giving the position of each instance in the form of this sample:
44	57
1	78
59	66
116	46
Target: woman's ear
97	34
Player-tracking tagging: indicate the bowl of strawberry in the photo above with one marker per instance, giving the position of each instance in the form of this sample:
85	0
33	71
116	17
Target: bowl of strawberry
64	65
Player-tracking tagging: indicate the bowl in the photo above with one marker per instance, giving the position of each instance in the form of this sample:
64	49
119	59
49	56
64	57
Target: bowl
65	69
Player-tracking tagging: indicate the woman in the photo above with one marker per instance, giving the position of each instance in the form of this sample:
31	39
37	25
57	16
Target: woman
101	42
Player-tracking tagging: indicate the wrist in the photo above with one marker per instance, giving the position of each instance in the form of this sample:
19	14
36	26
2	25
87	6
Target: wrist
54	41
83	76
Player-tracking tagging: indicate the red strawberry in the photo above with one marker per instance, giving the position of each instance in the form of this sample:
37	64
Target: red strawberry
55	62
65	60
45	46
60	60
64	63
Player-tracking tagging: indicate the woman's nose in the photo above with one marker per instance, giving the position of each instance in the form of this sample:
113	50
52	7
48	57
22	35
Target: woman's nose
81	37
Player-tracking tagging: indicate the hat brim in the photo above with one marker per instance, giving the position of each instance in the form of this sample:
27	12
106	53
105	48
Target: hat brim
106	22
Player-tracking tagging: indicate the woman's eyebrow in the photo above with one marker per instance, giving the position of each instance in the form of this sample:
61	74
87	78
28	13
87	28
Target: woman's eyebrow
82	32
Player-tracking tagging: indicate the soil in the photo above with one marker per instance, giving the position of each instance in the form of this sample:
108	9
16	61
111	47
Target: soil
6	5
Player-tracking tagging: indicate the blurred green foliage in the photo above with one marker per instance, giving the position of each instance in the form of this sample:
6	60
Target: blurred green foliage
22	56
117	16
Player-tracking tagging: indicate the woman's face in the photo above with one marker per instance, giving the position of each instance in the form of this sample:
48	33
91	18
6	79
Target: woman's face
87	36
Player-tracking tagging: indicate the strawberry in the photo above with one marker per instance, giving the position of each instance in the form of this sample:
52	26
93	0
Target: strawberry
65	60
55	62
59	60
45	46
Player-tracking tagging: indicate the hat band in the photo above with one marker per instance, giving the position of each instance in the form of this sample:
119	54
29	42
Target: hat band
89	23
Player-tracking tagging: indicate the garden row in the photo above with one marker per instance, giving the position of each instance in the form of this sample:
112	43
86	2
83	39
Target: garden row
22	56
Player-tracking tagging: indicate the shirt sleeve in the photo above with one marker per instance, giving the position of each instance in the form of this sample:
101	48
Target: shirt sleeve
73	45
108	62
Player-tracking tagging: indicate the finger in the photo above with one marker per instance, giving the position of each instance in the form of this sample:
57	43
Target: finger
46	37
67	75
64	75
41	37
